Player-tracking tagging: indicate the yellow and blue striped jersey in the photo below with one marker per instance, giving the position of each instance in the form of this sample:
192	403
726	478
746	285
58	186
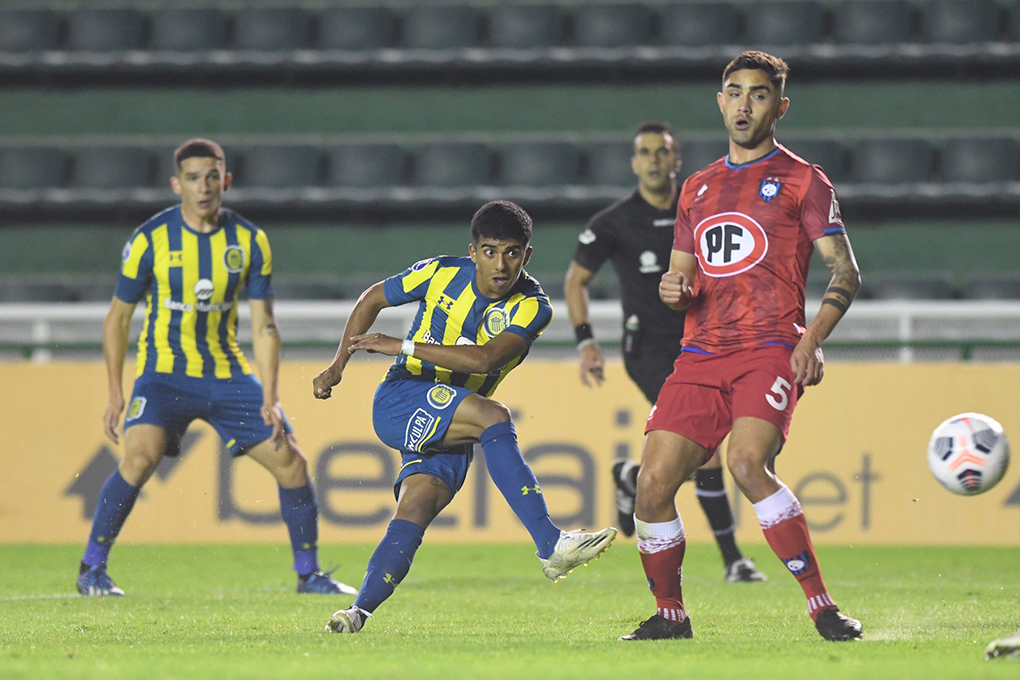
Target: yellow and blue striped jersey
190	282
451	311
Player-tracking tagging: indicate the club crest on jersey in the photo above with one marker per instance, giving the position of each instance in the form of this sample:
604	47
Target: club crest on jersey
769	188
729	243
233	259
136	408
496	321
126	253
440	396
649	263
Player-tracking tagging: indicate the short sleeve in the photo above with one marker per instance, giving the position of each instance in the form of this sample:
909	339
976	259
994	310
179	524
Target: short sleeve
260	273
596	244
819	207
411	284
530	317
135	269
683	235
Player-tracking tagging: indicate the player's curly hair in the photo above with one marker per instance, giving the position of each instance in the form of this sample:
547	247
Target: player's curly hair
502	221
774	67
198	148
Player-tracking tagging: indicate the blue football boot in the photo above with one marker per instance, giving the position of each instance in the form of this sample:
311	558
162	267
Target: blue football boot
321	583
95	582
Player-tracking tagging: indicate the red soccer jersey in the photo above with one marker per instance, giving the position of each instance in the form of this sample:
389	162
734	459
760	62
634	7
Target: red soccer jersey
751	227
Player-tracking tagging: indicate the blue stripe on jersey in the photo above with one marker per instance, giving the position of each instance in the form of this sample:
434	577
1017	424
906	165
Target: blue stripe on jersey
150	322
695	350
778	342
175	277
233	281
835	230
202	320
741	166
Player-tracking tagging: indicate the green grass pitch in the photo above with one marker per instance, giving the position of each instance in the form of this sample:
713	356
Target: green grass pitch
486	611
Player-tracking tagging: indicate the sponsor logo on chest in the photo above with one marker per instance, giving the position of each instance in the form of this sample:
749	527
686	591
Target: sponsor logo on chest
729	243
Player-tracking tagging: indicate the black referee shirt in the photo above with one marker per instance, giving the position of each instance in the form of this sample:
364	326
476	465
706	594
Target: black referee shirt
637	238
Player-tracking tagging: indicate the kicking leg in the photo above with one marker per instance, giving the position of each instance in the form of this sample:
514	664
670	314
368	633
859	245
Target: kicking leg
422	498
754	444
144	447
300	512
666	461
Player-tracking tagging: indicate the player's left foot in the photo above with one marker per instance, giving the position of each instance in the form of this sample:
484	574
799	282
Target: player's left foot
350	620
626	492
834	626
321	583
660	628
1004	647
744	571
575	548
95	582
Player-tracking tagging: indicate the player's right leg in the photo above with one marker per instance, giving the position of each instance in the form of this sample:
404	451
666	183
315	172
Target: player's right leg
421	498
666	461
488	422
144	447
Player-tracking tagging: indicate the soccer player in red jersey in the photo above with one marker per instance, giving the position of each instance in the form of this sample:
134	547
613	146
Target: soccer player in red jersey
745	230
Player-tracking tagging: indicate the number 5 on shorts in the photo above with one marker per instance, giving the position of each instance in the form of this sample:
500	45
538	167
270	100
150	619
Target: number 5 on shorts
781	390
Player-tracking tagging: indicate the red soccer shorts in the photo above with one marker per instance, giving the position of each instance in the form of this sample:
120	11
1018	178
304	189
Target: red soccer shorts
706	393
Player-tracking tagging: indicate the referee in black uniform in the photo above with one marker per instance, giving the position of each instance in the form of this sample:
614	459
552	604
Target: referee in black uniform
636	235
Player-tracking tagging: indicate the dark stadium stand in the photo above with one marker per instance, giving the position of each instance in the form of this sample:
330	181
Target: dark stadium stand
567	177
465	42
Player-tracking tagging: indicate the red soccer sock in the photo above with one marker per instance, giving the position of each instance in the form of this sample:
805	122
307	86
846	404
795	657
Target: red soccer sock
786	531
662	546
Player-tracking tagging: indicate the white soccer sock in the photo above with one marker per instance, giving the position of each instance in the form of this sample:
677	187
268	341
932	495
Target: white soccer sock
655	537
780	506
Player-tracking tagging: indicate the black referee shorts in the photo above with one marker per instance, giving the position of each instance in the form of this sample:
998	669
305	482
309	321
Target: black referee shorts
650	362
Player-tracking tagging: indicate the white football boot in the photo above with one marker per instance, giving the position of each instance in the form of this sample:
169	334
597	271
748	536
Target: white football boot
349	620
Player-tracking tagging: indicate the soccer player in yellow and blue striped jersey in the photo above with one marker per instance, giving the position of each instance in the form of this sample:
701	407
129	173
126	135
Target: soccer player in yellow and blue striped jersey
477	318
189	263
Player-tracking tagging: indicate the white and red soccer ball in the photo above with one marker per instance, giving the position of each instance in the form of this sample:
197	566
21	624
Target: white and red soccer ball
968	453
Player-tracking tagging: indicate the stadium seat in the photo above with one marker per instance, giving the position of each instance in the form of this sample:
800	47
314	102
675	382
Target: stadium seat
440	27
960	21
700	153
105	30
608	163
32	167
699	24
912	286
891	161
540	164
272	29
526	26
992	286
612	25
110	167
356	28
22	289
827	153
784	22
29	30
305	287
187	30
1013	24
279	166
365	166
873	22
452	164
982	159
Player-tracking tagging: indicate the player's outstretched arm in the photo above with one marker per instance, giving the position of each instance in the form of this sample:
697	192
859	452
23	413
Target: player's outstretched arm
265	340
364	314
460	358
576	292
116	330
807	360
676	288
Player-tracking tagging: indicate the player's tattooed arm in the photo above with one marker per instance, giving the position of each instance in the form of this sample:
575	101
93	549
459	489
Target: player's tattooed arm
838	256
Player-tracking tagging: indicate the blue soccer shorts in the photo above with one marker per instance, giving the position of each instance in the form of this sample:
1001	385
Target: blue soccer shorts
413	416
232	406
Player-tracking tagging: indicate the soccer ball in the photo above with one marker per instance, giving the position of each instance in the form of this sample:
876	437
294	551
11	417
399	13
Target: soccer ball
968	453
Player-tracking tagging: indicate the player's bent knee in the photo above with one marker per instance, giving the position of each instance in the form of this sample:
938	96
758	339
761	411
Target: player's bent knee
745	466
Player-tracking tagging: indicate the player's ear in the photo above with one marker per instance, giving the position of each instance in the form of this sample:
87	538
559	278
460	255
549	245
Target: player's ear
175	184
784	105
471	251
527	256
719	101
228	178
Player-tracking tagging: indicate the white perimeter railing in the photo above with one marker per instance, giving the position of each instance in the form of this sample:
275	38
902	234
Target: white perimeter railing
895	330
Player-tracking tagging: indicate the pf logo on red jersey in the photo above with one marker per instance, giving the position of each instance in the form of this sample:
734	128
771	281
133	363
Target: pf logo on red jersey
729	243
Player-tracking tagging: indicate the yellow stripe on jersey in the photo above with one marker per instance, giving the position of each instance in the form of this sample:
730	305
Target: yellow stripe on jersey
189	278
138	247
160	269
455	324
438	283
220	279
416	278
245	241
267	255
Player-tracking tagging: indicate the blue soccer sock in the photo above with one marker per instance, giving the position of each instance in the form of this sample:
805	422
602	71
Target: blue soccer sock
389	563
116	499
301	515
517	483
